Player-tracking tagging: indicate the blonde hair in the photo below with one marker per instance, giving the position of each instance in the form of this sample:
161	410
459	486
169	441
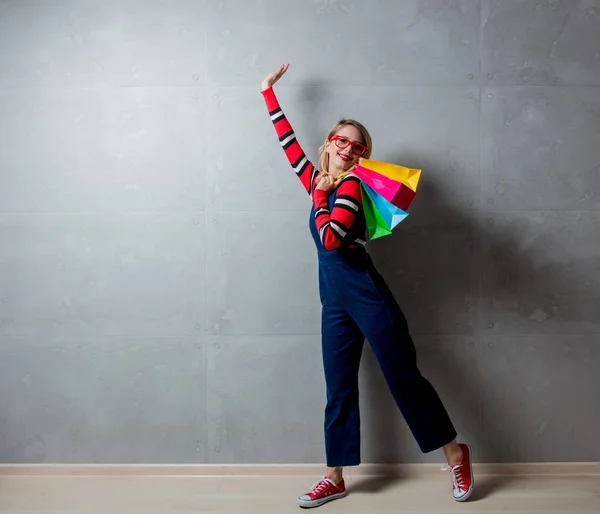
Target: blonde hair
324	156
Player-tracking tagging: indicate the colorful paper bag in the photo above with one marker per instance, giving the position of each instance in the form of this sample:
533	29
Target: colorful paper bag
376	225
407	176
395	192
391	214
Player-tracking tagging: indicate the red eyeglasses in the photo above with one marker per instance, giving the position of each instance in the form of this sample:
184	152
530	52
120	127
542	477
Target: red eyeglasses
342	142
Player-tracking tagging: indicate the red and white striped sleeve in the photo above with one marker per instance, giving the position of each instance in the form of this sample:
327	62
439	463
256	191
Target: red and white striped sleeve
304	169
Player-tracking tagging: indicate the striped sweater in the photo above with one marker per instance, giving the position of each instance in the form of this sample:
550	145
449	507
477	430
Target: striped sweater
337	227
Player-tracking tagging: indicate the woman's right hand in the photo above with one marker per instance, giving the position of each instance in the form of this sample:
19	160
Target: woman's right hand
327	183
270	79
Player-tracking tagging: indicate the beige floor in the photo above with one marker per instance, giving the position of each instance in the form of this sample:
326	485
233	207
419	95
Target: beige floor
270	495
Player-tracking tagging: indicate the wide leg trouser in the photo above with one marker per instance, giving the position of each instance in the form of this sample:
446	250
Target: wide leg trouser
357	304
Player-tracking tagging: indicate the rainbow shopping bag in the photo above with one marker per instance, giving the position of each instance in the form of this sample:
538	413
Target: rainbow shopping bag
381	216
391	214
397	184
408	176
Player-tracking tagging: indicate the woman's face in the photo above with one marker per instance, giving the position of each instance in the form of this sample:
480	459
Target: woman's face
340	158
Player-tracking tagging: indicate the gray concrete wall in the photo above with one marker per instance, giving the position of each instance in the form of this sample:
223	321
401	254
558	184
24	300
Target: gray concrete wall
158	290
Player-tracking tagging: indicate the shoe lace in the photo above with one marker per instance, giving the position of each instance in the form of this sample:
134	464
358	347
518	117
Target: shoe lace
322	484
456	473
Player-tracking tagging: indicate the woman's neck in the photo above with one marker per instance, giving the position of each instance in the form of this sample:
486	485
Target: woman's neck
335	173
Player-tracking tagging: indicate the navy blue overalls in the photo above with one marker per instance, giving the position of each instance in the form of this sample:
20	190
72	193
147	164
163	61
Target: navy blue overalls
357	304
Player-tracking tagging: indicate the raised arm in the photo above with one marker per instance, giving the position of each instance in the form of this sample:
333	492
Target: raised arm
305	170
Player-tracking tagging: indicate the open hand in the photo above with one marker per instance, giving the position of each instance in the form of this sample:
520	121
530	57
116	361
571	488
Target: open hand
270	79
327	183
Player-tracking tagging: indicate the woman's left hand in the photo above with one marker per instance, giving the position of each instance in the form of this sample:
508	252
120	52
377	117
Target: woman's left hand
327	183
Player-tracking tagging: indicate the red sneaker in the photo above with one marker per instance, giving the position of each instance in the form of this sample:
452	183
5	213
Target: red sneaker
462	476
323	491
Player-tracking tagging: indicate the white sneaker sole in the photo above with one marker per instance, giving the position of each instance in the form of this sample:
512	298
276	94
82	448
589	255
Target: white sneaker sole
466	496
308	504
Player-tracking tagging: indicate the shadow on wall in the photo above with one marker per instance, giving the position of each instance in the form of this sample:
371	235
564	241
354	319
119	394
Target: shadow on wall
432	264
460	276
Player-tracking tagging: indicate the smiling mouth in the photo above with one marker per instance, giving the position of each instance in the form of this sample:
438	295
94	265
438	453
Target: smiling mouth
343	157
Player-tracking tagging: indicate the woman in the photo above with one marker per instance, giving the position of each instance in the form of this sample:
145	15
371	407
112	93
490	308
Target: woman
357	304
